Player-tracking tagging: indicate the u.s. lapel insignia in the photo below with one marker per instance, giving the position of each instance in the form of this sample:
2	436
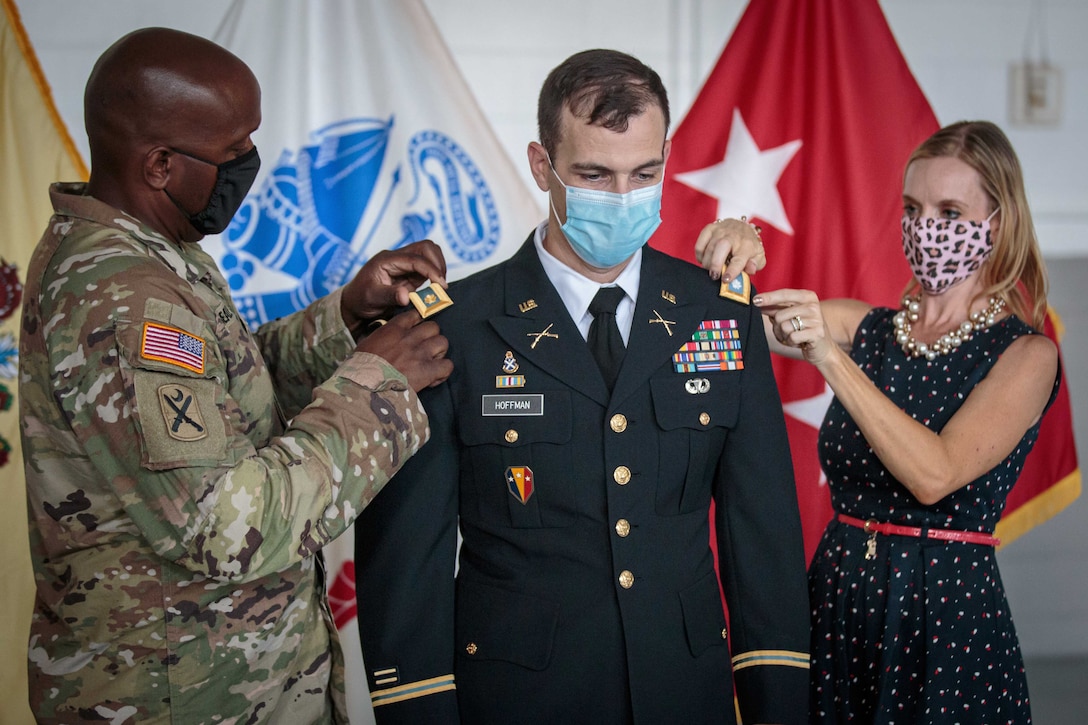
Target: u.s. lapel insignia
519	482
527	305
667	324
668	297
738	289
537	336
509	365
714	346
181	413
430	299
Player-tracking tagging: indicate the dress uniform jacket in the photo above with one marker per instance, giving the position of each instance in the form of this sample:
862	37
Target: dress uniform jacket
586	588
175	521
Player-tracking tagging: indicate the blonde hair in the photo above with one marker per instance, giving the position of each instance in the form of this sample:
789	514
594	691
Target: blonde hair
1015	271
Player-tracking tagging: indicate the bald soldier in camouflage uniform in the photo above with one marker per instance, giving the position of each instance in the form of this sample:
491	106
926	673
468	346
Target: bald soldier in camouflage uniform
183	472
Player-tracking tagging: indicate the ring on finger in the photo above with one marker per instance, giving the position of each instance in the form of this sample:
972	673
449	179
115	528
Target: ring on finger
798	325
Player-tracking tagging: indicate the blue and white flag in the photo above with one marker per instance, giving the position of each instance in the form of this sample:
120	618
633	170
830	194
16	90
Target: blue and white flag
370	139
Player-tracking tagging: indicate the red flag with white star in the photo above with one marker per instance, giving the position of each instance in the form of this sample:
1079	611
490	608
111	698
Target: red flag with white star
805	125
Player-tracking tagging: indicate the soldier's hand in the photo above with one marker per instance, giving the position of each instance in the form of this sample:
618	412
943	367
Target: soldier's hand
385	281
414	347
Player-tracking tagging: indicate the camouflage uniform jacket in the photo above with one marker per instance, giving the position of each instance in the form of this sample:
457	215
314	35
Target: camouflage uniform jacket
175	517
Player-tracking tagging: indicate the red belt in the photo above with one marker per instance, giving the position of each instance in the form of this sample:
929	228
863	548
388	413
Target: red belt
873	528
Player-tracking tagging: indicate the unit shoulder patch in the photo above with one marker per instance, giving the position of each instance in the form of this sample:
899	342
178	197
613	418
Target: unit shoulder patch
182	416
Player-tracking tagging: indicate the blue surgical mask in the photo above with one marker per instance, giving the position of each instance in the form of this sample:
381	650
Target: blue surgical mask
605	228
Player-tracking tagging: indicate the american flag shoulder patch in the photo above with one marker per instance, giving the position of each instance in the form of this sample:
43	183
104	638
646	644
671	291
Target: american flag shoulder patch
171	345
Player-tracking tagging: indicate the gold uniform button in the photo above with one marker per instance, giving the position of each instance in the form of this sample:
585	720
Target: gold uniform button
472	648
511	436
623	527
622	475
627	579
704	418
723	633
618	423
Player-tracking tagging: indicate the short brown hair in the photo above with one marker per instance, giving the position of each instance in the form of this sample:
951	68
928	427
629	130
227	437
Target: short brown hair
604	87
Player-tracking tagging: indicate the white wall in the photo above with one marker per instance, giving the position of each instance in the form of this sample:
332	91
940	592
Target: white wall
959	50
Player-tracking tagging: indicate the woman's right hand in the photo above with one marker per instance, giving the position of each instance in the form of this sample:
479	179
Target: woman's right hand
795	325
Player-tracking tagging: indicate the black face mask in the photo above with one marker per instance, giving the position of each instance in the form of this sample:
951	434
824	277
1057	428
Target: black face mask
233	180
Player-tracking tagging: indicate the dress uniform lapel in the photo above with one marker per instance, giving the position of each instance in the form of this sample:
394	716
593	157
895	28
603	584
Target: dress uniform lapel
661	309
537	327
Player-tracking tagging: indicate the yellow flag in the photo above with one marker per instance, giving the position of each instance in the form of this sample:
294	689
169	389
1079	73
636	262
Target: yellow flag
35	150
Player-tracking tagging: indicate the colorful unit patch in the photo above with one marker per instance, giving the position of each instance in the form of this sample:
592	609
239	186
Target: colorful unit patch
171	345
714	346
519	481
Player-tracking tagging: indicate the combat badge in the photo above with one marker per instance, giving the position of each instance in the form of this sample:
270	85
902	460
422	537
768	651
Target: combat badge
519	481
738	289
697	386
430	300
183	419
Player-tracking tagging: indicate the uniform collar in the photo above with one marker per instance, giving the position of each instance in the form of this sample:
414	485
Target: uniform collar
577	291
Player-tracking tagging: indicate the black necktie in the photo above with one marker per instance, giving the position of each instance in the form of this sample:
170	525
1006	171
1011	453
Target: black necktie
604	334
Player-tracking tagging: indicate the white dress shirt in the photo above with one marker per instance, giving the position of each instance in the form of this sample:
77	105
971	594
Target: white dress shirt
577	291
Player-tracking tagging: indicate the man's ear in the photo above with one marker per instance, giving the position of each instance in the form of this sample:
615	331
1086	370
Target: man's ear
156	166
540	166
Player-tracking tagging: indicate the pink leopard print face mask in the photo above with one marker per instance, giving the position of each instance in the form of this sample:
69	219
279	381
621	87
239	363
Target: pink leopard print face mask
944	252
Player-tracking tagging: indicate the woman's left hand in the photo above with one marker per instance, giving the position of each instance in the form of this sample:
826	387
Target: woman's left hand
730	246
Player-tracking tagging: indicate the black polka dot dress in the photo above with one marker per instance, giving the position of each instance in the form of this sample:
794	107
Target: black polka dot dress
921	633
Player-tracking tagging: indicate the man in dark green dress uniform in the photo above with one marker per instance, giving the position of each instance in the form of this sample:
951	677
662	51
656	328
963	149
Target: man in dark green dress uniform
603	396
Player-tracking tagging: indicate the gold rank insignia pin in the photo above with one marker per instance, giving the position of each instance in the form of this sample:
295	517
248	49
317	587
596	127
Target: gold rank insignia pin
430	299
738	289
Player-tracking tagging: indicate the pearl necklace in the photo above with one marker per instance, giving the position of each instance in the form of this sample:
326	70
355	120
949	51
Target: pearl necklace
947	342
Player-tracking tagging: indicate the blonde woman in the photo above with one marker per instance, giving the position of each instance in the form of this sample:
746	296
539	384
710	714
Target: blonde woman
936	406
